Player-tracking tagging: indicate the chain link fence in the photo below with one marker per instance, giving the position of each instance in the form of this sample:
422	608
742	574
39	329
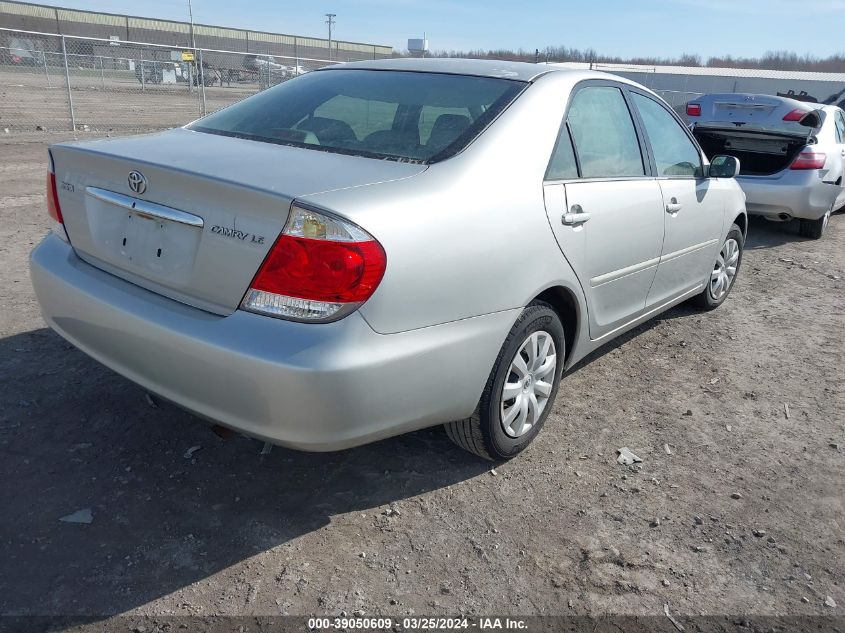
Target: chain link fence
61	83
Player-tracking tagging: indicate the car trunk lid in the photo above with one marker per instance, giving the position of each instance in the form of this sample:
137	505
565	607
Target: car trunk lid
208	211
765	133
758	113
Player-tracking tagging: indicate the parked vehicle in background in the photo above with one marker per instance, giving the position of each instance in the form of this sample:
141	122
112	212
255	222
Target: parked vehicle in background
378	247
271	71
150	71
791	153
22	51
154	72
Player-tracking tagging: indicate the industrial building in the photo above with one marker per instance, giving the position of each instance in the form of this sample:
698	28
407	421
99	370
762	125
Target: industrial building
24	16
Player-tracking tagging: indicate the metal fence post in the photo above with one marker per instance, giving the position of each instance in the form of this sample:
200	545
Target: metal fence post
46	74
67	81
202	84
143	72
102	73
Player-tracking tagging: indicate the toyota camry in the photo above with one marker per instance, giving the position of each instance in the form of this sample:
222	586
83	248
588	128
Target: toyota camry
378	247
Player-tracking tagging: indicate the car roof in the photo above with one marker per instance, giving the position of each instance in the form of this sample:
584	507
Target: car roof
521	71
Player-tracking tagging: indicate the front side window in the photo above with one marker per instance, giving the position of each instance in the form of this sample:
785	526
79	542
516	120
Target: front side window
409	116
674	153
604	134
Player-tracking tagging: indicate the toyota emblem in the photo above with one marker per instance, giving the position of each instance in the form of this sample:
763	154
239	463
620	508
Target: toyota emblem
137	182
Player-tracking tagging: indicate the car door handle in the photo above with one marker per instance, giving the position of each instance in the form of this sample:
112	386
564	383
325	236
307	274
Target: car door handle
576	216
673	206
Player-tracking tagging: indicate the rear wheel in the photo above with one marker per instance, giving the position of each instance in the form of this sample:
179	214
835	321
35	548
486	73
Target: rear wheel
814	229
520	391
725	269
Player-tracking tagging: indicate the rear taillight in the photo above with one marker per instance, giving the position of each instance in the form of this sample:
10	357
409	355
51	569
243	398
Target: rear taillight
53	208
320	269
693	109
16	59
809	160
795	115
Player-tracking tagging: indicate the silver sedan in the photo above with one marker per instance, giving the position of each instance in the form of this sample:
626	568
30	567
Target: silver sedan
384	246
792	153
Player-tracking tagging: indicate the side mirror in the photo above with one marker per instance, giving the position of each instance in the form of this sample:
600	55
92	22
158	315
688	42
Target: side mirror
724	167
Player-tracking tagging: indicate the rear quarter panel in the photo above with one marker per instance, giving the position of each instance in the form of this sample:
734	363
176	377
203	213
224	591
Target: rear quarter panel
470	236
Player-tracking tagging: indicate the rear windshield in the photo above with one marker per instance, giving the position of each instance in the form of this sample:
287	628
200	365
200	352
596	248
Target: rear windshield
407	116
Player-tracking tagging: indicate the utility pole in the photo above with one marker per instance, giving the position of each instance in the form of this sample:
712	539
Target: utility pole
191	15
330	21
193	46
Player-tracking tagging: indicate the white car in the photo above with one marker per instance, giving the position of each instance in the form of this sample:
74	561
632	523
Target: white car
791	153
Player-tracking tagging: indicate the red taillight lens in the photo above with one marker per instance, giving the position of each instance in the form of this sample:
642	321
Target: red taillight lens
320	268
693	109
53	208
809	160
16	59
795	115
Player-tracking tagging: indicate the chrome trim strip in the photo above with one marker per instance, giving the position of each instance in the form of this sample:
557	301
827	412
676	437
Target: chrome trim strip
684	251
630	270
623	272
144	208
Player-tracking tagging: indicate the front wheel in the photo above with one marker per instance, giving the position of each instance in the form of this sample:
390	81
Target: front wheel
724	272
521	388
814	229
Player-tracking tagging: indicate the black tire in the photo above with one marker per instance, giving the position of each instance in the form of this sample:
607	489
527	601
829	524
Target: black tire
483	433
706	300
814	229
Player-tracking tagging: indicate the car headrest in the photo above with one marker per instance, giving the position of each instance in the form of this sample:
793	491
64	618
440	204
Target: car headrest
446	129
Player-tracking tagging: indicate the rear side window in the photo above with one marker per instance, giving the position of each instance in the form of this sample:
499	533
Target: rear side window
408	116
674	153
840	127
562	164
604	134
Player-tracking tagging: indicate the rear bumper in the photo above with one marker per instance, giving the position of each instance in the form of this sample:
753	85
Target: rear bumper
306	386
794	193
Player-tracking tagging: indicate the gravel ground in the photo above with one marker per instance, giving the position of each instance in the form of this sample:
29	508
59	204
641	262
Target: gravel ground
29	101
743	517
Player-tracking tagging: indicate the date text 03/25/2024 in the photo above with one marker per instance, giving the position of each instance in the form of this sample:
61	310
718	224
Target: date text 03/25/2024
418	623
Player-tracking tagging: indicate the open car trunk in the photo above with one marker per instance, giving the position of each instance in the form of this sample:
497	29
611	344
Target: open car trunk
765	133
759	153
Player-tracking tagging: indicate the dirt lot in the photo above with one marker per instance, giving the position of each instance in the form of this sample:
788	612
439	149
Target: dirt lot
102	104
749	399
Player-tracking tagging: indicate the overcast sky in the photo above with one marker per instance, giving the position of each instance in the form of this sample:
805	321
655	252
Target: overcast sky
663	28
